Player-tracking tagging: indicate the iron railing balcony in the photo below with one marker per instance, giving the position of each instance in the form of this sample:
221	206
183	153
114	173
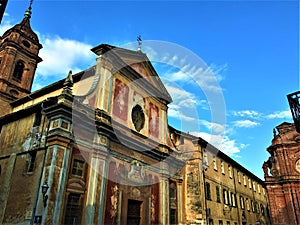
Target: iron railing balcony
294	103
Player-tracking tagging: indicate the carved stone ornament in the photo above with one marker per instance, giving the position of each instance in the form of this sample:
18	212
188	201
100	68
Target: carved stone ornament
114	201
153	203
136	172
298	165
33	140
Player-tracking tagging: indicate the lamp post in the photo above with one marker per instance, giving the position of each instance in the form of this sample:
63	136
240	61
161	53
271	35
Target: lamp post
45	188
294	103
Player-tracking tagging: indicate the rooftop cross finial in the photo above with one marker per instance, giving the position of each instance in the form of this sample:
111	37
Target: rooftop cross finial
28	11
139	40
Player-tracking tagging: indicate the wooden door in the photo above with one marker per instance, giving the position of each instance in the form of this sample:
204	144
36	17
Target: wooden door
133	212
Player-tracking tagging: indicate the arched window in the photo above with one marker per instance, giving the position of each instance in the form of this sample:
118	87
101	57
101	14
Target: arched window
18	71
172	190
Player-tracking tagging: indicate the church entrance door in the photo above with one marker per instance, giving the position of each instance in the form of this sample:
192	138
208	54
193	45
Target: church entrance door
133	212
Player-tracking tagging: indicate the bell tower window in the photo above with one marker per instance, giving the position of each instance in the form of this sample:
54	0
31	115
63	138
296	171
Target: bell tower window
18	71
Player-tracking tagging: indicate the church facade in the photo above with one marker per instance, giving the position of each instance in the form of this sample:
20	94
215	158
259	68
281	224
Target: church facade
96	148
282	176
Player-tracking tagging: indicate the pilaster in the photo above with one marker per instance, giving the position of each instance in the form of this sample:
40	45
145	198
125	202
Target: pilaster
95	201
6	185
179	202
103	70
55	175
164	195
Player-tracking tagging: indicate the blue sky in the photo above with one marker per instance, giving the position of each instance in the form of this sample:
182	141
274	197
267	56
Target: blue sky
250	47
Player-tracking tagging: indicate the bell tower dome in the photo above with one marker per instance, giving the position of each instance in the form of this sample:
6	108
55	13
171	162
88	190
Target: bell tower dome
19	49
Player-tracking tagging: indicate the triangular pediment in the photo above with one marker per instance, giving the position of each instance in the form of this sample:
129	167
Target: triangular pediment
139	63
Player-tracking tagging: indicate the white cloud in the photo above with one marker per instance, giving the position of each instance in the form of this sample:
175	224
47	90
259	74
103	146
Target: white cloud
223	143
245	123
173	112
255	115
214	127
61	55
247	113
280	115
5	26
183	98
185	107
189	66
207	78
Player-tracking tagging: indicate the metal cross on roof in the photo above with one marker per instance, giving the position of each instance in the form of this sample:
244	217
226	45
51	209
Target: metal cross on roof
139	40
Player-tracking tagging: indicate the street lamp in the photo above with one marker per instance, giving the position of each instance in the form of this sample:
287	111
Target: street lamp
45	188
294	103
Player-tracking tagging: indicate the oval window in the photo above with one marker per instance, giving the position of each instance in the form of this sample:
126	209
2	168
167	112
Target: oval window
14	92
26	44
138	117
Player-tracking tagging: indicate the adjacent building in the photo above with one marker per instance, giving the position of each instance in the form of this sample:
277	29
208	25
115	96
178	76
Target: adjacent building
96	148
282	175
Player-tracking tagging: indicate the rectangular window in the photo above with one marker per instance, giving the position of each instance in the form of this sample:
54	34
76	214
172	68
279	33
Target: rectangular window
257	208
258	188
218	194
242	202
249	182
37	119
30	161
225	197
252	206
244	179
233	199
173	202
172	190
207	191
215	165
262	209
205	160
173	216
77	168
230	171
247	204
239	176
222	167
73	210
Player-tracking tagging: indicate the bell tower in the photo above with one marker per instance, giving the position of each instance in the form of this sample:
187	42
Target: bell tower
19	49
